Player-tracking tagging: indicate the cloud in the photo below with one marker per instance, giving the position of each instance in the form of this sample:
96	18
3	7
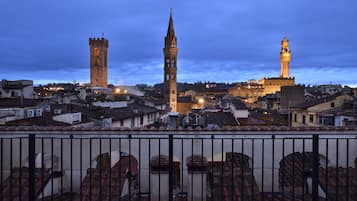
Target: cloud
224	40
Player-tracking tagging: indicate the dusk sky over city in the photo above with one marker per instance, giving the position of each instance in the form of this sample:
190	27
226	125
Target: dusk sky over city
222	41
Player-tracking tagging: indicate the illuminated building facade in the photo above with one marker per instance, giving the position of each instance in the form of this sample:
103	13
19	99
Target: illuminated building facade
267	85
273	84
285	57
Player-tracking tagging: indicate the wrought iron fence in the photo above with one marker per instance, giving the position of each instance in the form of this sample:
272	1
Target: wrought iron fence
178	165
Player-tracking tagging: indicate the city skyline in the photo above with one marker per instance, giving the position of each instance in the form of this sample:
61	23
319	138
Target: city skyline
237	43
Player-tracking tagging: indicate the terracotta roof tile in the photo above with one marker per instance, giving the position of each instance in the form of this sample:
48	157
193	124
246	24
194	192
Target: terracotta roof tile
237	128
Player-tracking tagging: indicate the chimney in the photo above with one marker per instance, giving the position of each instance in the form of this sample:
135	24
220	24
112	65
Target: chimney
172	121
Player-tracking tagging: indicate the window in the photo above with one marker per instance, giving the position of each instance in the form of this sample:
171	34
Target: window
141	120
167	77
303	119
121	122
133	122
295	118
311	117
57	111
30	113
96	56
173	91
333	104
173	76
38	112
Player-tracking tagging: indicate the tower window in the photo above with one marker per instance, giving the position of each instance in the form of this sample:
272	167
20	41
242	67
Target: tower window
96	56
167	77
173	91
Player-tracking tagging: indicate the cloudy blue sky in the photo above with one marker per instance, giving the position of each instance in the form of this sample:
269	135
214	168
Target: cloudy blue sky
219	40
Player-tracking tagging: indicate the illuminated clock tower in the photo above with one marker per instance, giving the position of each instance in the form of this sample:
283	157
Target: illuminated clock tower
170	66
98	62
285	57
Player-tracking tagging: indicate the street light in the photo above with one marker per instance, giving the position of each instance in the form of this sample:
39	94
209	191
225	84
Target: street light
117	90
201	101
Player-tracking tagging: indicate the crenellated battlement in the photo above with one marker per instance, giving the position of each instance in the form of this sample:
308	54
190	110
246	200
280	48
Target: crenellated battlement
99	42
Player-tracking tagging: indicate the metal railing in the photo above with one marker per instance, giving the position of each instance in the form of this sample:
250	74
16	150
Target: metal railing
178	165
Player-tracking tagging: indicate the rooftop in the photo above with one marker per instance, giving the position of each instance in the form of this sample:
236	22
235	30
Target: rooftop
16	102
314	102
221	119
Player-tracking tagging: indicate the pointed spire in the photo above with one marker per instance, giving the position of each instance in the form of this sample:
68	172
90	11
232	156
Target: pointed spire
171	30
170	39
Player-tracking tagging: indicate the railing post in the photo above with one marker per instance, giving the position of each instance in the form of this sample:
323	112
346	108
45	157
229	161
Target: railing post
32	157
315	167
171	172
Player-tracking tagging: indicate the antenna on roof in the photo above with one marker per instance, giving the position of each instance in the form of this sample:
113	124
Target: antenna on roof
102	34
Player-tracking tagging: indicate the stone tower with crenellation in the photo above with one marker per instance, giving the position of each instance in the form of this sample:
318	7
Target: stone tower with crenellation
170	66
285	57
98	62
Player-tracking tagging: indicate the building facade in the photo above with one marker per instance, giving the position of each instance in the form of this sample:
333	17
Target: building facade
290	96
17	89
170	66
98	62
310	114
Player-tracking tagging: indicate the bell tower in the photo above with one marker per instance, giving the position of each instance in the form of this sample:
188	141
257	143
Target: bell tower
170	66
285	57
98	62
